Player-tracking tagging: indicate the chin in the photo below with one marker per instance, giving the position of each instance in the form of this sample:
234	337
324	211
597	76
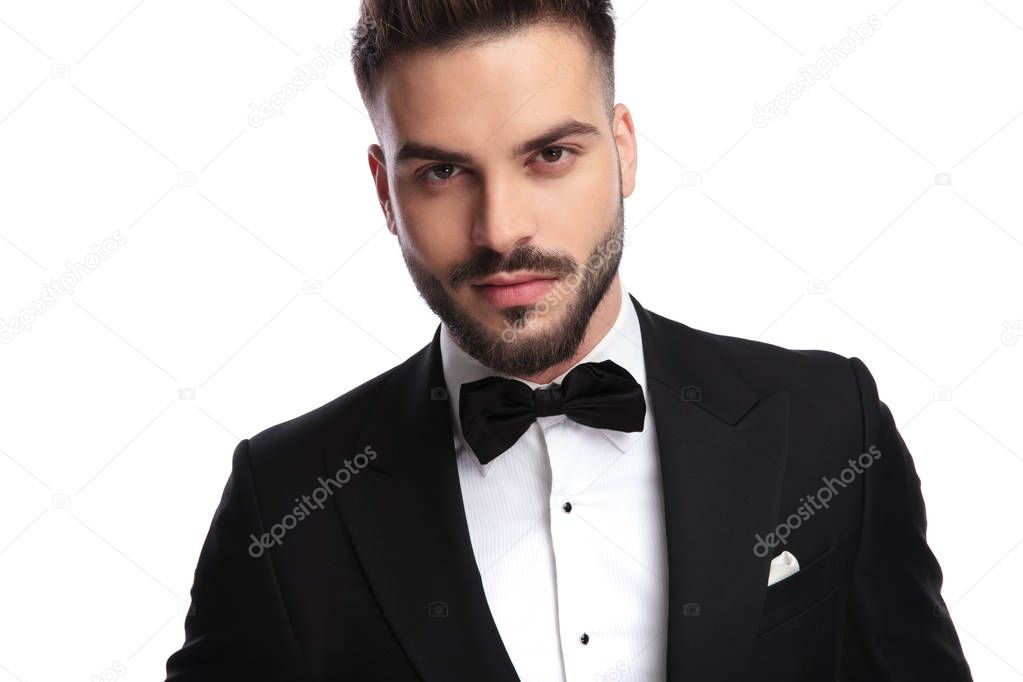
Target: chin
529	324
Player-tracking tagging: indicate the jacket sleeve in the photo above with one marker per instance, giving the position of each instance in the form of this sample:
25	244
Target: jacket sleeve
898	627
237	627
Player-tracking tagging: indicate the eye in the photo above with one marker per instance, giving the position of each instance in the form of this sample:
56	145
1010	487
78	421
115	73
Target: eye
440	174
554	156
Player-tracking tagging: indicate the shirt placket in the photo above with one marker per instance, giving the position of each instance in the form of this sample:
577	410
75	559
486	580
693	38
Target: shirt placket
573	579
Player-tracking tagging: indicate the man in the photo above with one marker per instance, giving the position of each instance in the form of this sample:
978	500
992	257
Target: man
562	484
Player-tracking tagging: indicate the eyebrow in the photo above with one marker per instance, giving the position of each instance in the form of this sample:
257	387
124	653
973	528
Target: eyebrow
416	150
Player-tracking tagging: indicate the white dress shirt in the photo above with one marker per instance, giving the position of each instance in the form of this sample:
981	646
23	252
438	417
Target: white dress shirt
567	527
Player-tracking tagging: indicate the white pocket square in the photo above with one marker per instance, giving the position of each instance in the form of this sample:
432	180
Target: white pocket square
782	566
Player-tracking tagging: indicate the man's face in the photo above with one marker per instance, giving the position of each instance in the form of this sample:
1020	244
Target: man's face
504	182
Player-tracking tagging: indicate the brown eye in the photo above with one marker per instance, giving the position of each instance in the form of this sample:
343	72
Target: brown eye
443	172
554	157
439	174
554	153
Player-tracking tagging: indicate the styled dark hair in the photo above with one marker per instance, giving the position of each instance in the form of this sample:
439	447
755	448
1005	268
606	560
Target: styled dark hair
388	27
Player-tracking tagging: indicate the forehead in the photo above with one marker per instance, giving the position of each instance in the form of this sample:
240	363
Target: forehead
490	95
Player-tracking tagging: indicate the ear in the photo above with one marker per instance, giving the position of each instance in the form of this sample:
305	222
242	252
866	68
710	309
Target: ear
378	169
625	139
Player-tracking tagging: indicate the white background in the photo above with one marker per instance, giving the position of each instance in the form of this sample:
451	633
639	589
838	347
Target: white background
257	272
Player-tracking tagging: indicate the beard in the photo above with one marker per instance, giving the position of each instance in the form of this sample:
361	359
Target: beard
518	349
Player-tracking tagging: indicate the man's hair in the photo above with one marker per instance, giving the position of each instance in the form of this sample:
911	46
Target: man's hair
389	27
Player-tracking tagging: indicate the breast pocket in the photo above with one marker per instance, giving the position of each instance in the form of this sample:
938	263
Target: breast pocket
815	580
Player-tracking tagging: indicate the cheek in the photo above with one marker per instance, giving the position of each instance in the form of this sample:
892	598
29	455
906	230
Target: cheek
441	212
435	231
578	207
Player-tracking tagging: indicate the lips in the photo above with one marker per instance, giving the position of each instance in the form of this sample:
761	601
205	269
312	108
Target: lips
506	278
505	290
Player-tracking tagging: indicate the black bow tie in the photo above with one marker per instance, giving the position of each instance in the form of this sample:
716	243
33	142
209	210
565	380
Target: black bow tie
495	411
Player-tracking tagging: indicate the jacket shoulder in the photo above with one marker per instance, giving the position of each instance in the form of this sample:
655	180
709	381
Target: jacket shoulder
815	376
298	443
762	359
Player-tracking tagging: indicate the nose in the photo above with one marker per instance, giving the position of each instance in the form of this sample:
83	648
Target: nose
503	218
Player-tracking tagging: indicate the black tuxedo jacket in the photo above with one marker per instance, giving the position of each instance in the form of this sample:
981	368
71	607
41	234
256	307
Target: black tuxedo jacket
380	582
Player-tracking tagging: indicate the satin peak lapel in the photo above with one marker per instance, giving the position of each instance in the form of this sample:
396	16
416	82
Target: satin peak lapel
407	521
722	449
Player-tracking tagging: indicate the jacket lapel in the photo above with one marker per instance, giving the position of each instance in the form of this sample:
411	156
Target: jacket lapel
407	522
722	449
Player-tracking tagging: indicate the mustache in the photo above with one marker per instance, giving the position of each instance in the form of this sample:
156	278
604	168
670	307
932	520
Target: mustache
526	257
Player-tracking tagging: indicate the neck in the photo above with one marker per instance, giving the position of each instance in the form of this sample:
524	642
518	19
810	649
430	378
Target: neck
600	324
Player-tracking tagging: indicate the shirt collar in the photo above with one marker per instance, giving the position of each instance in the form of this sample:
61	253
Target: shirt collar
623	344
